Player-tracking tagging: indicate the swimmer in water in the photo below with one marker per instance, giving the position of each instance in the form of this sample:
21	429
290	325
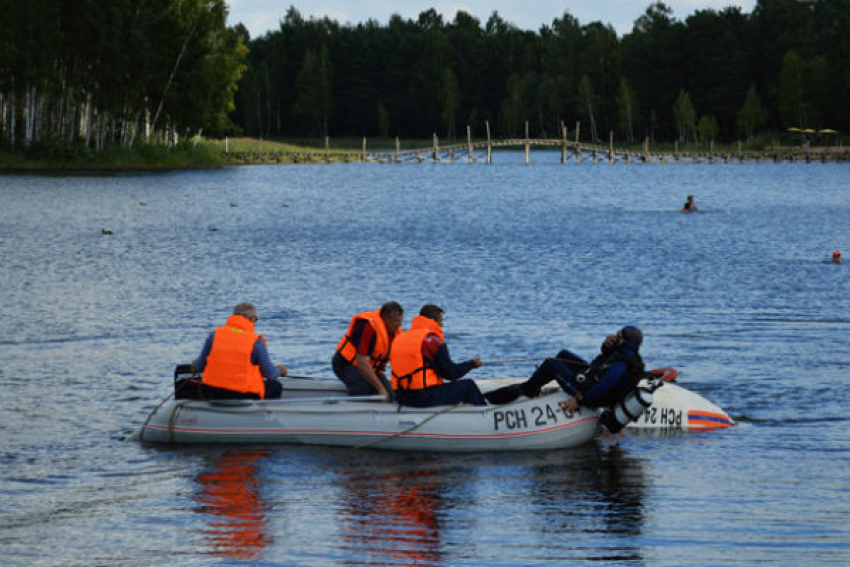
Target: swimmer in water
689	206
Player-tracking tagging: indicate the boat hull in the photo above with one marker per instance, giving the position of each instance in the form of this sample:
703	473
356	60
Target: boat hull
528	424
673	408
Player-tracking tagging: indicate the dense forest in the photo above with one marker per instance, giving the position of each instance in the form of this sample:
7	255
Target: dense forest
116	73
718	75
129	72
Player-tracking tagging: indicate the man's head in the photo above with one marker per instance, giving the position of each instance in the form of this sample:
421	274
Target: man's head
247	310
631	336
392	313
432	312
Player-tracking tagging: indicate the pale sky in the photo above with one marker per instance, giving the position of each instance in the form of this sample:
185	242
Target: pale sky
261	16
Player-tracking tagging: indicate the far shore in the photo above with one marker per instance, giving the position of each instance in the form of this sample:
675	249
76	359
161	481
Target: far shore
216	153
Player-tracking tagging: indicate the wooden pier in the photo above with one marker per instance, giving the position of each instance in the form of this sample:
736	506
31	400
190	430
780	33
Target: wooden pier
572	151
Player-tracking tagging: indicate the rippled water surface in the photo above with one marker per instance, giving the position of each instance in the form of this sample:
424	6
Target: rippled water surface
526	260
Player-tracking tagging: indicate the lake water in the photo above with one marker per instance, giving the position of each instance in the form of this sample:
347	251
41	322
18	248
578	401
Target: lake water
525	260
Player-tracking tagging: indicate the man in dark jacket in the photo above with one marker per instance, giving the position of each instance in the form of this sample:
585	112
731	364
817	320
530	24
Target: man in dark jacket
608	379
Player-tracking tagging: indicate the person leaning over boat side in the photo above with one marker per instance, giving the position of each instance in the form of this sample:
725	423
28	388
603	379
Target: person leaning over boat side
421	364
610	378
235	361
362	354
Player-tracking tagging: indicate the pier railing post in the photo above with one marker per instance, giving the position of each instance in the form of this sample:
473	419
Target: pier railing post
610	146
489	145
469	141
563	143
527	143
397	150
327	149
363	154
436	148
578	147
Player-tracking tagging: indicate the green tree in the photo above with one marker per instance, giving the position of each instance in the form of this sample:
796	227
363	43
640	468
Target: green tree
451	102
314	90
752	115
587	101
627	107
383	120
708	128
684	116
792	90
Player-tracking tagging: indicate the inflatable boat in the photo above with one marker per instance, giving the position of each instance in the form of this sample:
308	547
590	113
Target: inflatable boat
318	412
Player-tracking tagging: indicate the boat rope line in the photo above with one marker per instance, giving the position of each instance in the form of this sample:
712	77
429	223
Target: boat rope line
512	361
151	414
178	407
408	430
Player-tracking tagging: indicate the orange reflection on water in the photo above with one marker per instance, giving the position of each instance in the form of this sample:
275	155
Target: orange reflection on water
400	522
231	495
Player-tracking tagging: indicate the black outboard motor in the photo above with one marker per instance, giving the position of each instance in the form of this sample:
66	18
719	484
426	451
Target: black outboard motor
187	383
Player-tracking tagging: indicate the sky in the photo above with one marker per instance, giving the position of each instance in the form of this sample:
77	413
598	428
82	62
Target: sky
261	16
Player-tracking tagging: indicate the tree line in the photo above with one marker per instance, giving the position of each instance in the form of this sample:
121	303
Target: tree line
124	72
724	75
116	73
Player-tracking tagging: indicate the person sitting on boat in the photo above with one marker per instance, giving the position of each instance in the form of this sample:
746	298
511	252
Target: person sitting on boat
610	378
423	373
362	354
689	205
235	361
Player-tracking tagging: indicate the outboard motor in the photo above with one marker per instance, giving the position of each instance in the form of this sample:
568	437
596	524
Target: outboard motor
630	408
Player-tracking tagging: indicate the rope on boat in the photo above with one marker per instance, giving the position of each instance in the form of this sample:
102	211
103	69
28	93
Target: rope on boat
408	430
150	415
178	407
513	361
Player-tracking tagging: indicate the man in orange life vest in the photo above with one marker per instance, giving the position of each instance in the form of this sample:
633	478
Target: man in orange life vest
420	363
235	362
362	354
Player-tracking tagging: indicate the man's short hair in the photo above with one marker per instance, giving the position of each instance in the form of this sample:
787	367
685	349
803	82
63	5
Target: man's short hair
245	309
391	308
431	311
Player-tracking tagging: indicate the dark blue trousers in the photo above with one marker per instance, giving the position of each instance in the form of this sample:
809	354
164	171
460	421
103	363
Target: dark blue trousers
448	393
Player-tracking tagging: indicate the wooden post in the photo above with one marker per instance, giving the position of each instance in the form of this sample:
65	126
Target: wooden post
327	149
397	150
226	145
469	141
563	142
526	142
578	147
436	148
451	155
646	149
676	150
489	147
711	152
610	146
363	155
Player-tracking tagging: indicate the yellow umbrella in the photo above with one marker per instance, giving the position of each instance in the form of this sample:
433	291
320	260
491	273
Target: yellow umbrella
809	131
793	129
828	131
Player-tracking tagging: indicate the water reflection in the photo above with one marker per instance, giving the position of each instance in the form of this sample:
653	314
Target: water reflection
594	490
230	494
393	514
409	509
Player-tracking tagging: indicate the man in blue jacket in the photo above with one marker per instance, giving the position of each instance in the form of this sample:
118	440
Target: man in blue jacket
608	379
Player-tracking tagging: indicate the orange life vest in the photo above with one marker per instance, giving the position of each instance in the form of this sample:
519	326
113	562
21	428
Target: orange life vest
229	362
410	370
383	341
